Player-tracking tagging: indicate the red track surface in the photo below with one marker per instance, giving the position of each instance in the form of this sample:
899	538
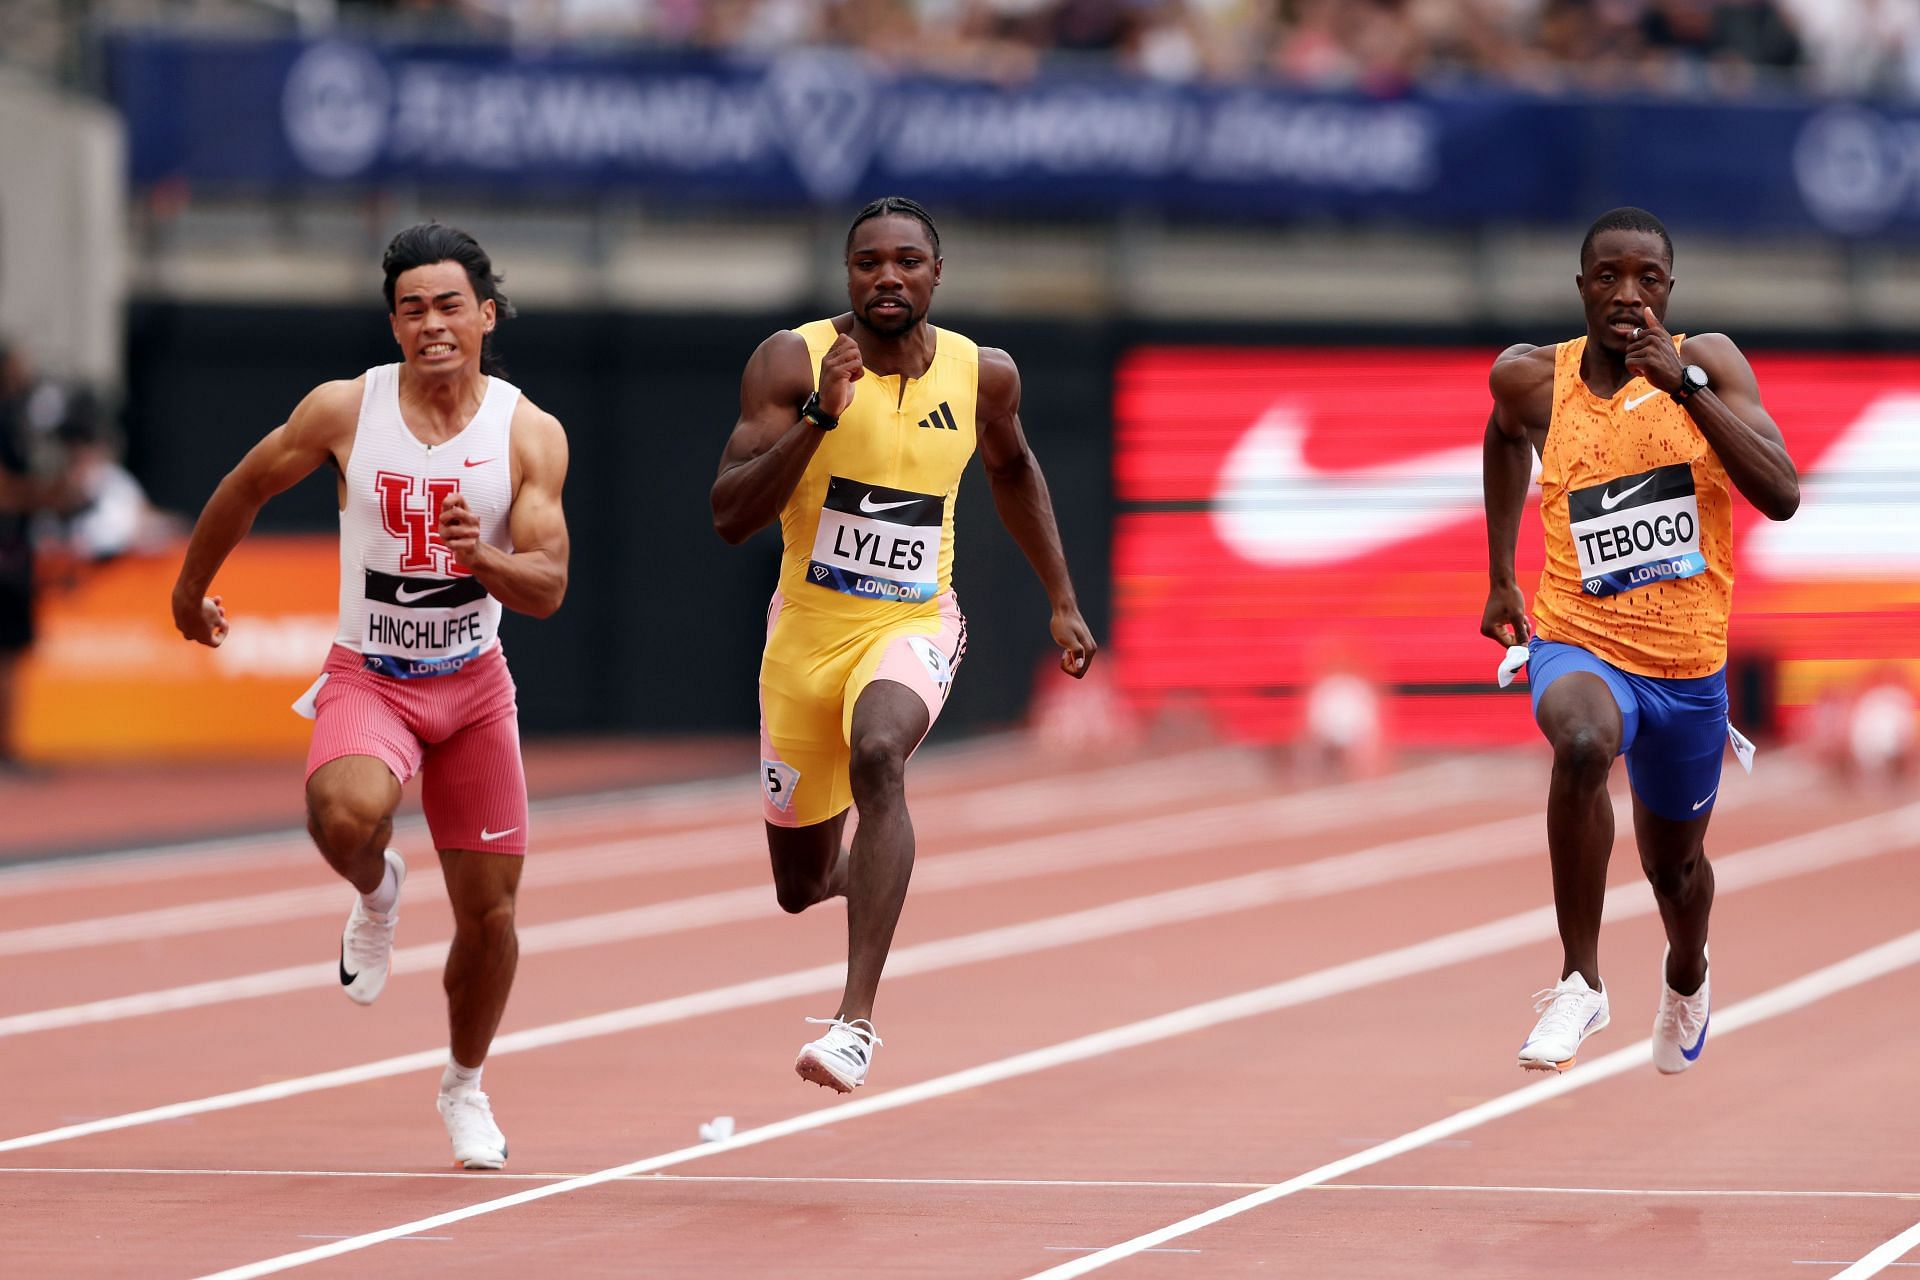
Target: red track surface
1786	1153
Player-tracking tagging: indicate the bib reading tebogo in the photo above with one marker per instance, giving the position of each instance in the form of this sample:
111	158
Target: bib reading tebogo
1636	530
878	543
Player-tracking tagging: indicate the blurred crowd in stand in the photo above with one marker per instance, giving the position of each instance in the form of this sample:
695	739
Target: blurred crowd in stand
1712	47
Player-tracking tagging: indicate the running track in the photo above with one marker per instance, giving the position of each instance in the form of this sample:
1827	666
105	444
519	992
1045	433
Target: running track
1166	1016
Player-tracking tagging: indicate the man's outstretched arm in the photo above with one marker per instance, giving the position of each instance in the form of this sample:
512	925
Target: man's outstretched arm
1020	496
1506	471
289	454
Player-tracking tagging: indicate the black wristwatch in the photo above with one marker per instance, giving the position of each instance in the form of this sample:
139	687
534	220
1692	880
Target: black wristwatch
819	417
1693	379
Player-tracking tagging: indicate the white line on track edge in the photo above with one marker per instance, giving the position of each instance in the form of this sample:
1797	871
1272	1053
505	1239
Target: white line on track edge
1820	849
1883	1257
1866	966
1863	967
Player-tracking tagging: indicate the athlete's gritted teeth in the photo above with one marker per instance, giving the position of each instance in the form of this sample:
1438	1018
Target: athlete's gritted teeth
437	349
888	304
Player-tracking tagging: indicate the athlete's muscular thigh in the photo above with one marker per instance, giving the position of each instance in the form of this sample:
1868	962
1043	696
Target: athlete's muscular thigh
352	791
1579	717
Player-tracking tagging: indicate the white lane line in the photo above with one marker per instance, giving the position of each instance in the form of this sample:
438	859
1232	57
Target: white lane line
1124	842
734	841
1817	850
1856	970
1887	1255
707	803
1195	902
1014	1184
341	1237
1876	962
1086	1248
1010	860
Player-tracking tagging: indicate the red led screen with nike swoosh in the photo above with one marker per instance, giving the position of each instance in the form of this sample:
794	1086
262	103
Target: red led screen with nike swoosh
1284	514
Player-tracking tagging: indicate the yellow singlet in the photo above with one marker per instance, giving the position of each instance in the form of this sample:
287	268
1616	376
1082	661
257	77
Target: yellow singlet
869	528
1639	568
866	575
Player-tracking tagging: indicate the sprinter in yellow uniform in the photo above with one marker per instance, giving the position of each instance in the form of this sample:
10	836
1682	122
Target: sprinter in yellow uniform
854	432
1639	433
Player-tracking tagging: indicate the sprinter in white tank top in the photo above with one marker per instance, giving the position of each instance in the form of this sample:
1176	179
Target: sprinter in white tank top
449	485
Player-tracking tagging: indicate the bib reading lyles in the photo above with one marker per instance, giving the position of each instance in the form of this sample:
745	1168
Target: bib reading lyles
878	543
1636	530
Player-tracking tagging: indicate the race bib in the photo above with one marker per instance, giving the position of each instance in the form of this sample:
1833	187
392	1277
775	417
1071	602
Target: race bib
1637	530
418	627
878	543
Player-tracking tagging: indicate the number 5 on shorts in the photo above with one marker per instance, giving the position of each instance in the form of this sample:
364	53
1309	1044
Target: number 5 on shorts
780	780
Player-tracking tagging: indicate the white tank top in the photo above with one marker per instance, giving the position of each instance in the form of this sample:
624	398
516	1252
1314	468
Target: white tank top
405	606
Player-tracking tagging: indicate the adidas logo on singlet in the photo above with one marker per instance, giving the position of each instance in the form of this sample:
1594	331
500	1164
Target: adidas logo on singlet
940	419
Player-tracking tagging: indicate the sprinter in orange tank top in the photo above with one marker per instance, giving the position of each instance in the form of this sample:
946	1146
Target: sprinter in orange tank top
853	434
1639	434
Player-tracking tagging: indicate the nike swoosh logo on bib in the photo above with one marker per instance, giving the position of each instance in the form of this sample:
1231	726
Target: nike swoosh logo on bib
404	594
1637	401
1609	500
868	505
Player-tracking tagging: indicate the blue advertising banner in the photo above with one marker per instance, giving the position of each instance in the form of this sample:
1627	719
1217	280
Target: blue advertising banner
826	127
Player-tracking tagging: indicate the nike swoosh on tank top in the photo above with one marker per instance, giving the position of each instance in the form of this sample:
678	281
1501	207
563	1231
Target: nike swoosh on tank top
405	606
1638	520
868	531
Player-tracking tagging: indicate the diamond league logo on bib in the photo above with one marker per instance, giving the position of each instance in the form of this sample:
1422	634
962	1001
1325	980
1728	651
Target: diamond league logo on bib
335	107
820	106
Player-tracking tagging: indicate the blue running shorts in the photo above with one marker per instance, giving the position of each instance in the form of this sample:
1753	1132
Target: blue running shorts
1672	732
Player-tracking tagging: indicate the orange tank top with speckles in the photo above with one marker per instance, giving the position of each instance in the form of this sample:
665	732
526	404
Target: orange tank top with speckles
1638	520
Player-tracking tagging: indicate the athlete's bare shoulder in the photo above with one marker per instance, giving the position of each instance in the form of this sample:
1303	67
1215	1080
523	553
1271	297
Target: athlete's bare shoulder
1522	386
776	364
535	423
1520	369
1710	350
539	449
334	400
326	418
999	386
